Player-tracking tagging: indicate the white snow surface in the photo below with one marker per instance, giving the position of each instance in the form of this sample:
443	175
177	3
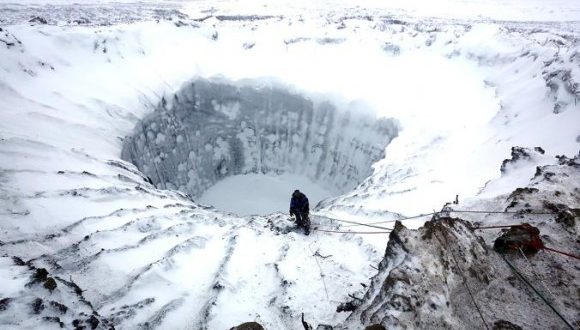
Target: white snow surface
512	10
251	194
464	91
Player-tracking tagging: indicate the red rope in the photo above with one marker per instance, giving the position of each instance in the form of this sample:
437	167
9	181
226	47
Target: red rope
540	245
564	253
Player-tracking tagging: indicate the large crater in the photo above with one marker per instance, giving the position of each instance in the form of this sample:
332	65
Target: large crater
212	130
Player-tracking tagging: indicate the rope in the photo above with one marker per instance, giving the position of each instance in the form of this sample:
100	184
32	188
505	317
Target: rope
523	279
538	277
357	223
370	224
352	232
564	253
465	283
499	212
400	219
320	269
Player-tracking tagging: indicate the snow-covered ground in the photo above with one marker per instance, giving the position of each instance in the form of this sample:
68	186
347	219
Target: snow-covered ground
454	85
514	10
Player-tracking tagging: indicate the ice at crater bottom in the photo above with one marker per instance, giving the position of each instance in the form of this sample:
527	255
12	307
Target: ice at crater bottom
260	194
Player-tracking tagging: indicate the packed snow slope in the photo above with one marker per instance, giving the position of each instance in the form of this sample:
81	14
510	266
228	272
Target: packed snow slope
86	239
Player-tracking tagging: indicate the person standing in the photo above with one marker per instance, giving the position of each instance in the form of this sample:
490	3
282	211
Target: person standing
300	208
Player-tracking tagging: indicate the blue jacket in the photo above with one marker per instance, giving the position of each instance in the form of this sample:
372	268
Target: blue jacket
299	203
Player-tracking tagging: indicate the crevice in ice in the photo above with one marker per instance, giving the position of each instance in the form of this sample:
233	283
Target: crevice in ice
211	130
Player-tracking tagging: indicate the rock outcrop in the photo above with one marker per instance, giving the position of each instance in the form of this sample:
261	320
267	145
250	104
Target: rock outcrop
445	275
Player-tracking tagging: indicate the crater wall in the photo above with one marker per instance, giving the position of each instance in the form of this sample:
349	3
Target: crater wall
211	130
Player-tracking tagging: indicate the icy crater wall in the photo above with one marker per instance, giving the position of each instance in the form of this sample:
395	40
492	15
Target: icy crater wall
211	130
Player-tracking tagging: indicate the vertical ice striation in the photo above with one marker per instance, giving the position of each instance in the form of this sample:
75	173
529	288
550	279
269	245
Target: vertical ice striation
212	130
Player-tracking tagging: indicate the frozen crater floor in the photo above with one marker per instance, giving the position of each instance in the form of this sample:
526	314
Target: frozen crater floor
121	121
250	194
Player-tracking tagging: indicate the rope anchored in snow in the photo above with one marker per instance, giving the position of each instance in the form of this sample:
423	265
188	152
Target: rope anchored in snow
400	219
535	244
362	224
320	269
446	211
352	232
501	212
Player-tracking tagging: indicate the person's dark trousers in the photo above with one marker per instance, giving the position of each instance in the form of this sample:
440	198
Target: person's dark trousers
303	221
